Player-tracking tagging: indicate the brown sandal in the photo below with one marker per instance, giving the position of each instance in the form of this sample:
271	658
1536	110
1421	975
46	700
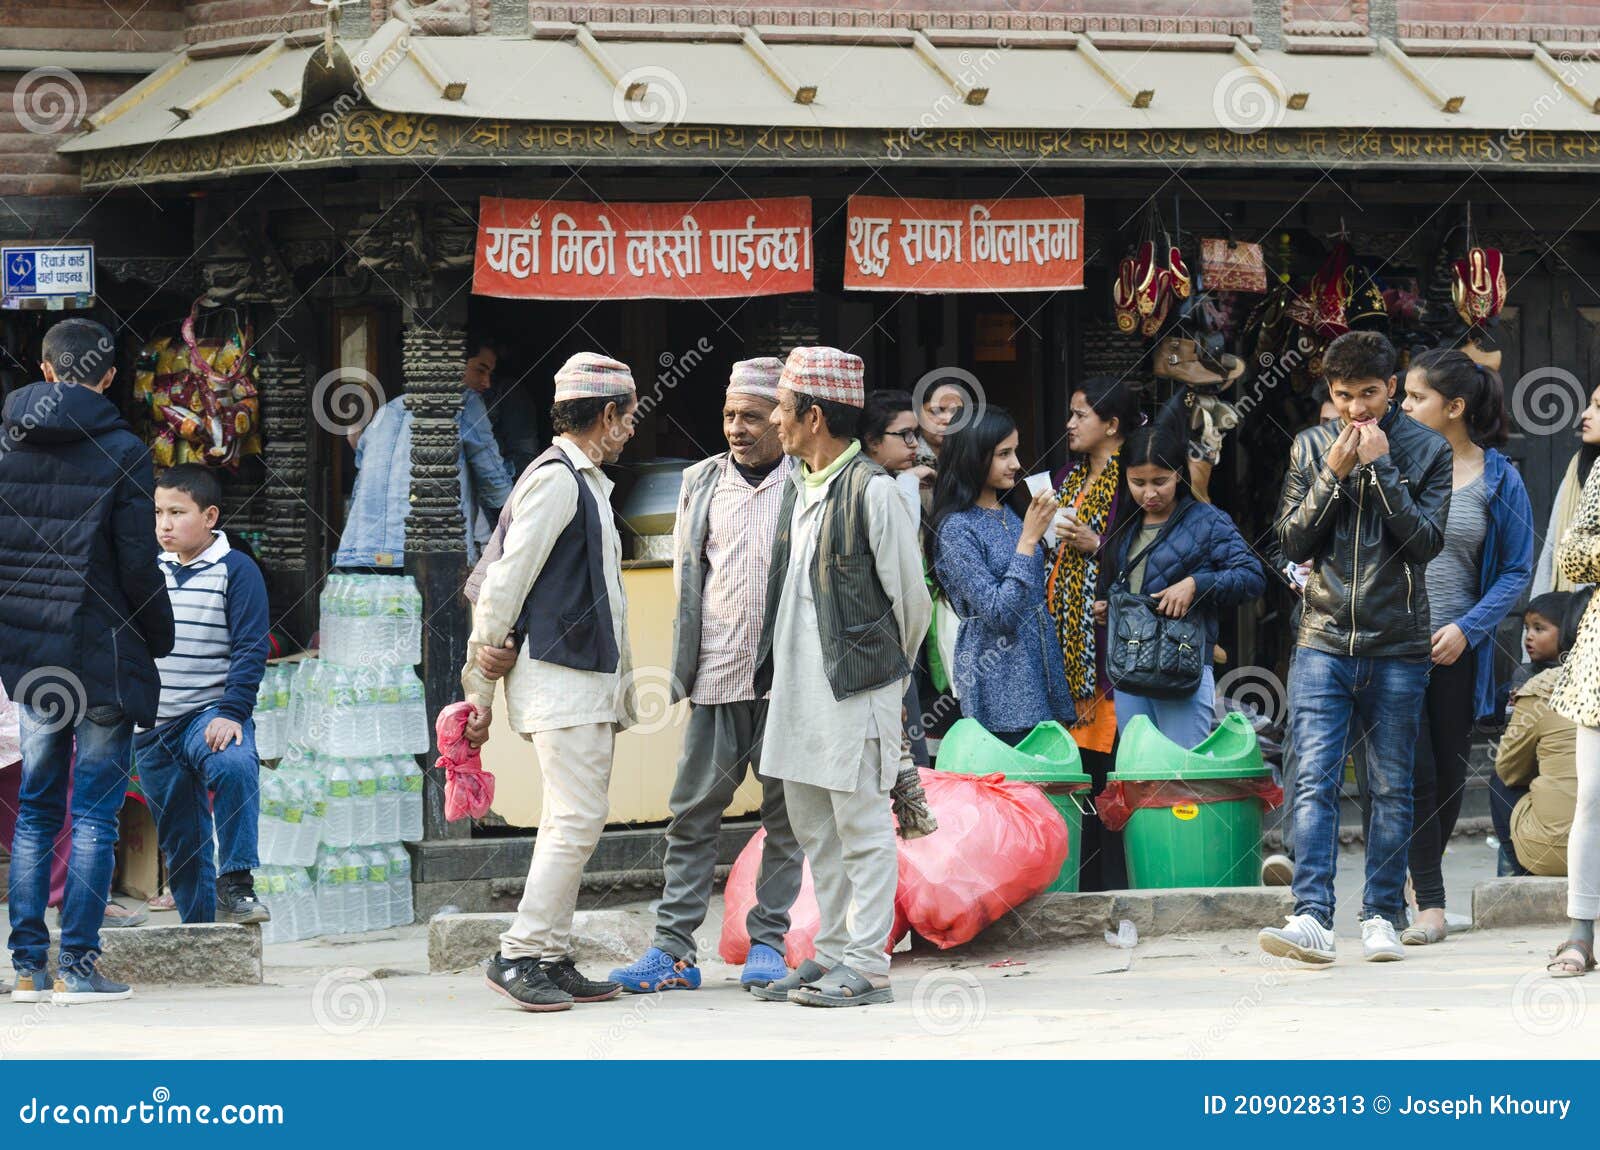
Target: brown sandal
1559	967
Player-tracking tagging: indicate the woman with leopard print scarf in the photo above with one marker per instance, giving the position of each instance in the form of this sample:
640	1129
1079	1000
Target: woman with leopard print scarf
1102	412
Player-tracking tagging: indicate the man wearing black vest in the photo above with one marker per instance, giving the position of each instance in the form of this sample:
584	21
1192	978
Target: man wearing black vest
557	583
847	608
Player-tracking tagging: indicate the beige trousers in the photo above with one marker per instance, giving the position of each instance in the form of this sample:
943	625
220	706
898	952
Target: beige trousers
576	765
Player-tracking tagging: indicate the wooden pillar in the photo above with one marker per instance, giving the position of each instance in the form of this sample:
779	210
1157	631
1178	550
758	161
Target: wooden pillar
293	568
433	358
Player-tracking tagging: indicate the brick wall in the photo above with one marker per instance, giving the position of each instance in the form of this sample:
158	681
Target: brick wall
35	119
217	19
92	25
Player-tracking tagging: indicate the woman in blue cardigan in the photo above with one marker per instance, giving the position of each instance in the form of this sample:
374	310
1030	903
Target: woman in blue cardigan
1486	564
990	563
1194	560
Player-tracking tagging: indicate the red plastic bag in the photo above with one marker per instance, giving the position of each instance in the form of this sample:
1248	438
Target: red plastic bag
998	845
804	917
1121	798
468	788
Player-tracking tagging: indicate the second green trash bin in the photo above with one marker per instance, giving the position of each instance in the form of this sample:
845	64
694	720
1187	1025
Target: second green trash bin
1203	828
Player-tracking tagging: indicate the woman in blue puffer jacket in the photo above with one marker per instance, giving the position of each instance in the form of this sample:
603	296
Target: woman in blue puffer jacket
1194	559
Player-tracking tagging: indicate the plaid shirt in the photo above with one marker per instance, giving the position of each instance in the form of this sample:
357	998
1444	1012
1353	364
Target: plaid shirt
743	522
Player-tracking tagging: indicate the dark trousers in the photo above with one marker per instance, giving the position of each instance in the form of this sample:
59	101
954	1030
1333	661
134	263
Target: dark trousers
1440	780
1503	799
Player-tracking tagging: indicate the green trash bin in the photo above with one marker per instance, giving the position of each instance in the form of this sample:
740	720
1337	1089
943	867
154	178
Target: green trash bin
1048	758
1192	844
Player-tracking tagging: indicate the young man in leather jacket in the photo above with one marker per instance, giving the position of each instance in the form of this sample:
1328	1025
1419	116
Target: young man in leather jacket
1365	503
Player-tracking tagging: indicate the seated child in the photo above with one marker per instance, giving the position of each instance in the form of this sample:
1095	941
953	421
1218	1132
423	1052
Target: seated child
1534	791
203	743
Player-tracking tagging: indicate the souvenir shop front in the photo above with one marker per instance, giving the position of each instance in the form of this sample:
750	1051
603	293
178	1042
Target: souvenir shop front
1022	238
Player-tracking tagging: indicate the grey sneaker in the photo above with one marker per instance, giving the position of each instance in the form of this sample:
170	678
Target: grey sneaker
803	975
1301	938
1378	941
1277	870
31	986
79	988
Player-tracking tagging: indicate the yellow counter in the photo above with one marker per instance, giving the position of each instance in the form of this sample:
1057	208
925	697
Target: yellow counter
647	757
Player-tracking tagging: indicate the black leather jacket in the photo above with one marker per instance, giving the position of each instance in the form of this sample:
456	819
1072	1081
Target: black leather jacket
1368	538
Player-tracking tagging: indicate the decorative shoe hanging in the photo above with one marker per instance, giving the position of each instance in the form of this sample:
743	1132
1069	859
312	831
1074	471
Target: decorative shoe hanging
1150	279
1478	285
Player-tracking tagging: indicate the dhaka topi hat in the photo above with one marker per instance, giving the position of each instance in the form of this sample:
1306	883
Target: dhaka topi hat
757	377
825	373
591	376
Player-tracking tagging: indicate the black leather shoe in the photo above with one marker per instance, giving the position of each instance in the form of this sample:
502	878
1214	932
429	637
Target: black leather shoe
565	975
237	901
523	982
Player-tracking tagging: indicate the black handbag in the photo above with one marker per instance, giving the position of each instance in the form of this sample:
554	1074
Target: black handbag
1146	652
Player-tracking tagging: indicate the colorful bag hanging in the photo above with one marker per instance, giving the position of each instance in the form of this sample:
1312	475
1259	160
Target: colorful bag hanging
1228	265
202	395
1478	283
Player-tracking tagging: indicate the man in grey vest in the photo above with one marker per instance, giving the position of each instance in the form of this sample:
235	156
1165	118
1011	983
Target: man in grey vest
727	517
557	583
847	607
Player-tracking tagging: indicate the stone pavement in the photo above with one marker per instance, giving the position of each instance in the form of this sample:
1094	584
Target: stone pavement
1186	994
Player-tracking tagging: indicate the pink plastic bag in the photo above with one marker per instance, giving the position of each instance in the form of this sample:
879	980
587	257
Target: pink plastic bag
998	845
804	918
468	788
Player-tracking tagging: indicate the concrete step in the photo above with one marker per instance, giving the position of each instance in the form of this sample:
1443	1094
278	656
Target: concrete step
1067	917
199	954
1526	901
601	939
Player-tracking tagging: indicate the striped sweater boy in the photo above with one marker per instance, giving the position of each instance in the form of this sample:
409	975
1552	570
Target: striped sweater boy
219	602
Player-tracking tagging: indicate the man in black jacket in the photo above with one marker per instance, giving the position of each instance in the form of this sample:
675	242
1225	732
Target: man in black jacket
1365	503
83	617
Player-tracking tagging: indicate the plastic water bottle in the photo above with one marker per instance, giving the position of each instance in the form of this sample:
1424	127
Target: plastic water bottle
365	790
338	829
365	688
401	910
391	711
292	798
316	814
354	865
330	616
377	887
272	930
414	704
270	826
311	911
330	890
411	653
390	789
410	799
266	719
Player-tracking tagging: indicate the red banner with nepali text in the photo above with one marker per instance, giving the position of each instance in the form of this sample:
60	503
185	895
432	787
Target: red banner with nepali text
567	249
1032	244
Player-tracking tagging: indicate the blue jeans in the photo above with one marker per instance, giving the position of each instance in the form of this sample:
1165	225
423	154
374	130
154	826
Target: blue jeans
1335	702
1186	721
99	782
179	773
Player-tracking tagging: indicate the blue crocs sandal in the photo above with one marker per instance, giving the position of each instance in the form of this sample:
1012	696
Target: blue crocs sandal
763	967
655	972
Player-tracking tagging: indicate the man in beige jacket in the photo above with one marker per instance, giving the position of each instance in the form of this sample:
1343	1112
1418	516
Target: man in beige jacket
556	588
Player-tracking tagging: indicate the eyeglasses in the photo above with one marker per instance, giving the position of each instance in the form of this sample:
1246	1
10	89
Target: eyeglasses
908	436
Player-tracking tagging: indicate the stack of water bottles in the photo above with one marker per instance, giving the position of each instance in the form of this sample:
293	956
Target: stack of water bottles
347	792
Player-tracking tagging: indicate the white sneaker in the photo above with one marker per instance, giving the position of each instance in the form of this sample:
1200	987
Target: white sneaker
1301	937
1378	941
